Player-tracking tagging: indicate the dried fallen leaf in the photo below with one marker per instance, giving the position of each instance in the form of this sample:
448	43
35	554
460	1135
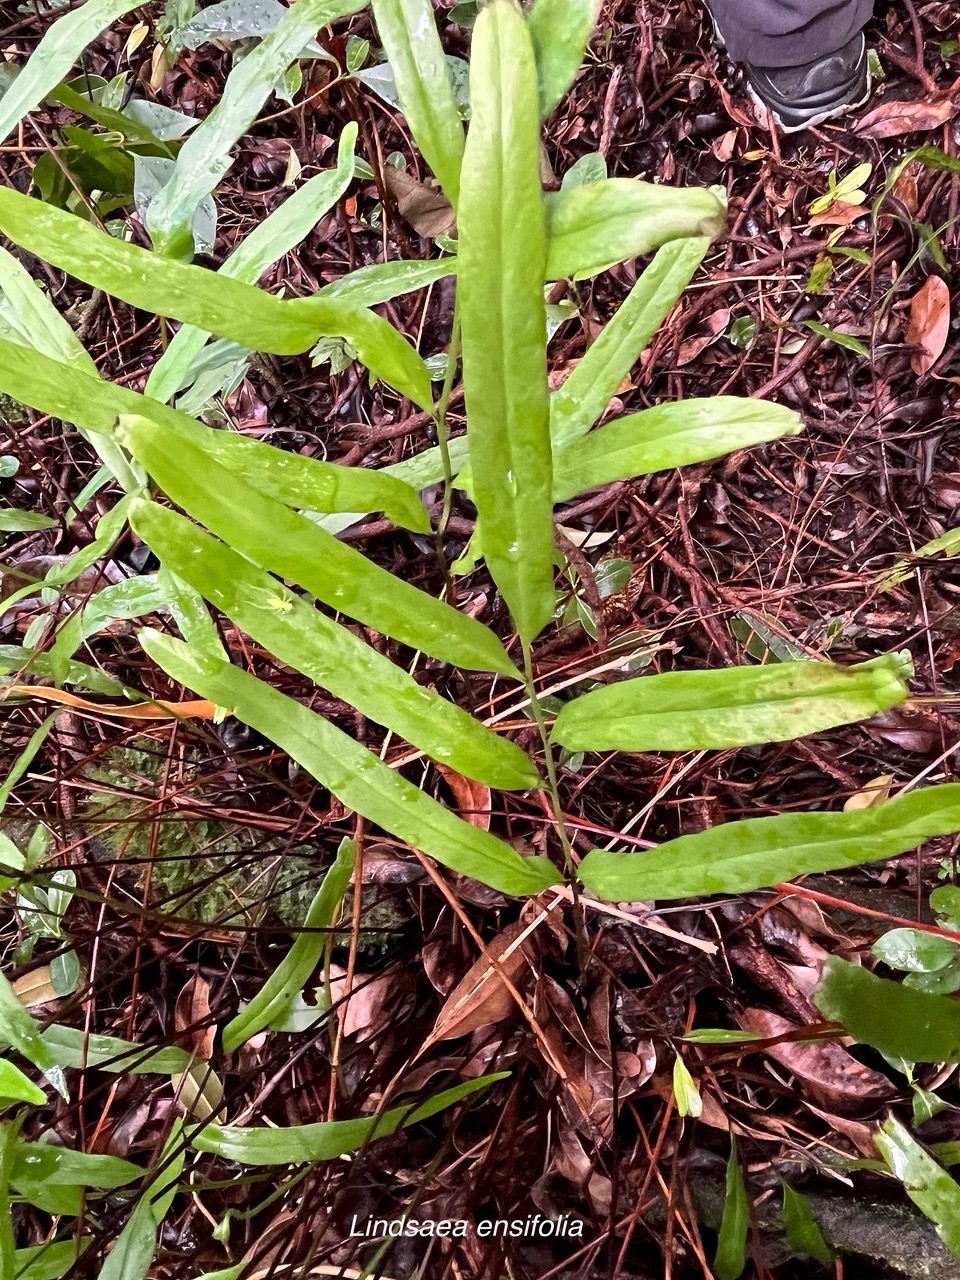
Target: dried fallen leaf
198	1090
199	708
929	324
481	997
425	208
834	1076
196	1028
891	119
473	798
875	792
35	987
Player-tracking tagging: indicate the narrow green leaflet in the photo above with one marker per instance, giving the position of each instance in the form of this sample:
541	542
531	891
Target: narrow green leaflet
275	236
207	299
730	706
29	317
330	654
686	1095
55	55
14	520
502	255
408	31
134	1248
274	998
7	1239
26	757
309	484
71	1047
191	614
330	1139
948	544
20	1032
383	281
16	1086
41	1162
585	394
593	227
731	1256
800	1227
897	1020
928	1185
352	773
205	156
667	436
48	1261
293	547
737	857
560	30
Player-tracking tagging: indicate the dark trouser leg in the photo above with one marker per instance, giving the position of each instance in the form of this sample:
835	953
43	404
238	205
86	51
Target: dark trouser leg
787	33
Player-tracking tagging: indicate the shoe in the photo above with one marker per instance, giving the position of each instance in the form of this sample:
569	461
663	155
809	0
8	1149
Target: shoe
798	97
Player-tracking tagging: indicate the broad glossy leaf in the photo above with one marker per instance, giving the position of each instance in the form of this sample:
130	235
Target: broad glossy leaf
20	1032
667	436
330	1139
54	56
737	857
502	256
803	1234
276	235
595	226
330	654
731	706
915	950
293	547
71	1047
560	30
15	1085
897	1020
731	1256
208	299
409	33
205	156
928	1185
352	773
274	998
593	383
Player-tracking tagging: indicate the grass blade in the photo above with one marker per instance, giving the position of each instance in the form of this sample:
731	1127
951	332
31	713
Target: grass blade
667	436
560	30
330	1139
408	30
55	55
592	227
280	232
287	981
352	773
207	299
205	156
585	394
730	706
293	547
502	255
927	1183
899	1021
737	857
331	655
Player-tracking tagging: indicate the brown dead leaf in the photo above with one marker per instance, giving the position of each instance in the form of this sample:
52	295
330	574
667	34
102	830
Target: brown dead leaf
481	997
929	324
875	792
892	119
839	214
195	1026
473	798
708	331
35	987
425	208
834	1076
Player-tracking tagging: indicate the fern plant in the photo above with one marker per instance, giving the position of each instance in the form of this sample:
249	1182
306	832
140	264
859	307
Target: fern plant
258	524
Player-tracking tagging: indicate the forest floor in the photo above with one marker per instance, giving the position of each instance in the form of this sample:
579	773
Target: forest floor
776	551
